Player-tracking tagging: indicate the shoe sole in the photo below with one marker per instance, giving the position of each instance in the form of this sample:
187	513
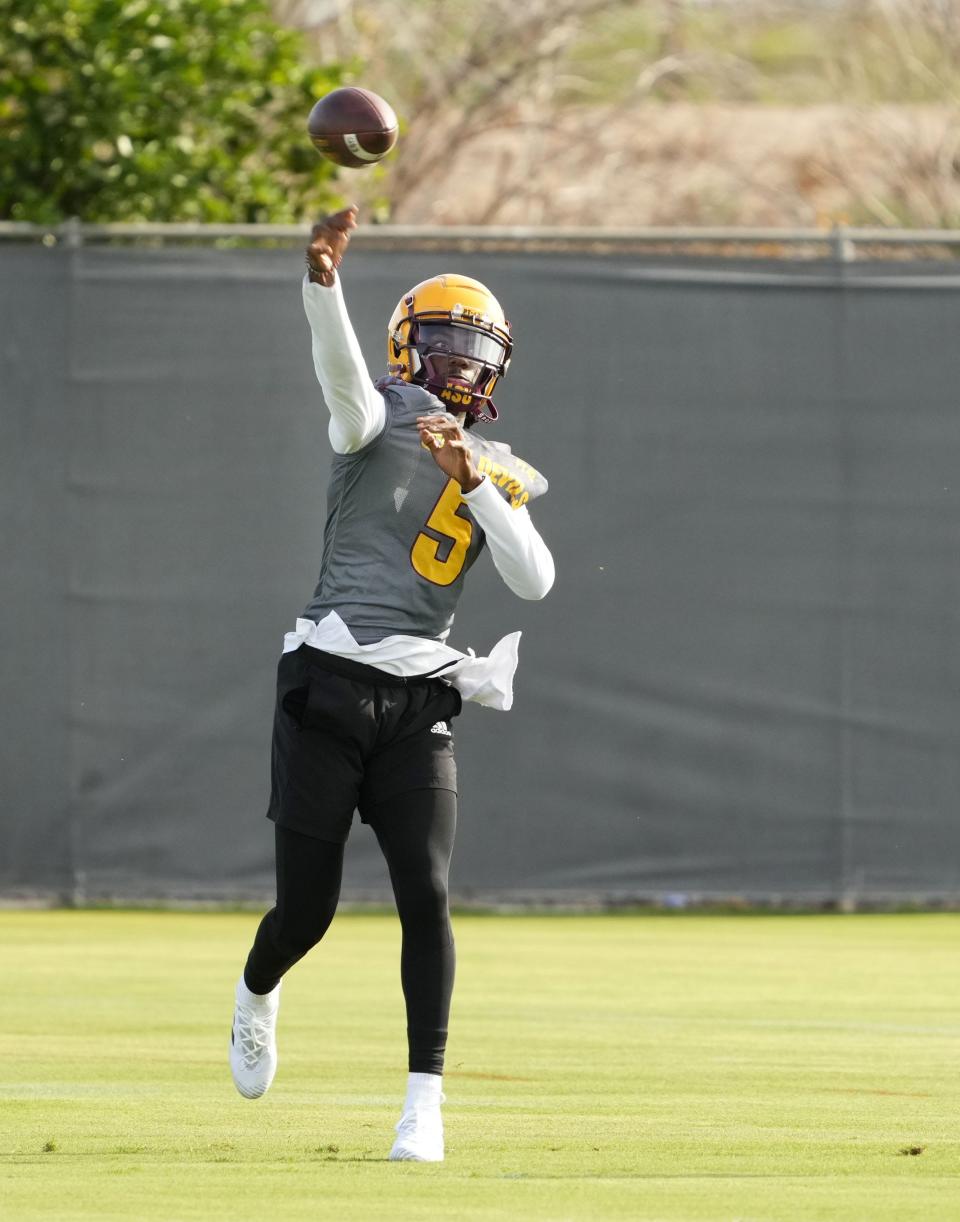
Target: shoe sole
250	1094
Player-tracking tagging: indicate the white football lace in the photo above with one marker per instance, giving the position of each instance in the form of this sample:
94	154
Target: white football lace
253	1034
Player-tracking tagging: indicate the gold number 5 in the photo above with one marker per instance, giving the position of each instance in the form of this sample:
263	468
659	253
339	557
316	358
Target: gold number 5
456	531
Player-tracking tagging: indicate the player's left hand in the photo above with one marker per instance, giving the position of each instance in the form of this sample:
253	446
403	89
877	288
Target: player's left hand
445	440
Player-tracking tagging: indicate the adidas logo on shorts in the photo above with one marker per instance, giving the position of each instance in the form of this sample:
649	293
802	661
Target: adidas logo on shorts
441	727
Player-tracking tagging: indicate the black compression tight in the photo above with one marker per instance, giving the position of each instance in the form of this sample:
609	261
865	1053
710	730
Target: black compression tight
415	832
416	835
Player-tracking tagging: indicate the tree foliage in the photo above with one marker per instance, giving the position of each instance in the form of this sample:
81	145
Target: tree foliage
159	110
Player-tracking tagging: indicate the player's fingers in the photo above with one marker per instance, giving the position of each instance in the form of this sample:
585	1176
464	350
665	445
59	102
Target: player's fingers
343	220
334	228
432	439
328	233
443	424
439	436
322	256
343	217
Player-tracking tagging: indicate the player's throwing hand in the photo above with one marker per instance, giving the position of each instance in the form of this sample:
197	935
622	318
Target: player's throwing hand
446	441
328	243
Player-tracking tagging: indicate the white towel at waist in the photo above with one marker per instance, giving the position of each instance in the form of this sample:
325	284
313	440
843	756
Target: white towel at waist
487	681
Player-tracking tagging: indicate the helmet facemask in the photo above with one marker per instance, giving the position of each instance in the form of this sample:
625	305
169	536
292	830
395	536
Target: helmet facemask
459	363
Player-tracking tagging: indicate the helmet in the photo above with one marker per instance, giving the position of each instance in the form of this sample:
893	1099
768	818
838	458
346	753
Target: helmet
449	335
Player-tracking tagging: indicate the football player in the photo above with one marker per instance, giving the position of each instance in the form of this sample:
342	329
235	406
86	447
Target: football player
367	685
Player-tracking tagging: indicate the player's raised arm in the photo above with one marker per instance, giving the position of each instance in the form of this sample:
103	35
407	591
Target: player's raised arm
356	408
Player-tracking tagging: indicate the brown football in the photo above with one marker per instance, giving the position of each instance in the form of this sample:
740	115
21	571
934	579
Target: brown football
353	126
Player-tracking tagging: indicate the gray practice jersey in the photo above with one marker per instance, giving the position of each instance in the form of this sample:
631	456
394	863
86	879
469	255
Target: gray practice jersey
398	539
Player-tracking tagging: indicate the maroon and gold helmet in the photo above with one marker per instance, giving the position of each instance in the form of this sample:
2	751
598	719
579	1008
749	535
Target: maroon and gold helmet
449	335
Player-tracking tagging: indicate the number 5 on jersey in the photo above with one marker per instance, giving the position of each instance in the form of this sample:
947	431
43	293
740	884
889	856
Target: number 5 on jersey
456	532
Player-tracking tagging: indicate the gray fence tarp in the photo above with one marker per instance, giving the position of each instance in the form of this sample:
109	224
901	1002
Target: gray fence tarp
746	681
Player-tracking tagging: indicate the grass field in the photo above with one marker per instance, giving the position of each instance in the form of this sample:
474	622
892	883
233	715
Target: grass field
694	1067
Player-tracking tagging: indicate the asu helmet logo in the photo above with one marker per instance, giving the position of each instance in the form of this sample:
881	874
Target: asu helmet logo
461	399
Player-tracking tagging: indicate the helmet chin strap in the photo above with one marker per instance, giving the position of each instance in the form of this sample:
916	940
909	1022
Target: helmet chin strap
488	412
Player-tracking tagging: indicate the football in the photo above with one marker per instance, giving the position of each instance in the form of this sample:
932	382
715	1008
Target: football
353	126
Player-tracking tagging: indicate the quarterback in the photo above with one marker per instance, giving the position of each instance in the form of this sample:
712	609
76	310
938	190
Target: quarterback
367	684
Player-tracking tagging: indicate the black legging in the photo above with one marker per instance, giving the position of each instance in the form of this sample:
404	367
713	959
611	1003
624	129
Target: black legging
415	832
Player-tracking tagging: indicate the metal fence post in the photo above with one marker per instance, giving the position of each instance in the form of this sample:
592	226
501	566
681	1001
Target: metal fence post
844	248
71	233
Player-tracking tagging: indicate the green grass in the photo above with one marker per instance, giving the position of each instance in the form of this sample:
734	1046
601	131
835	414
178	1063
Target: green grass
604	1067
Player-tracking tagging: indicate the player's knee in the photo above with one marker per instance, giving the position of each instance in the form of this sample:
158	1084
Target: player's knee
424	910
295	938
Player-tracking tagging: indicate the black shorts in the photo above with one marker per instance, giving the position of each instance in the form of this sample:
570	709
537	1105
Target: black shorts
348	736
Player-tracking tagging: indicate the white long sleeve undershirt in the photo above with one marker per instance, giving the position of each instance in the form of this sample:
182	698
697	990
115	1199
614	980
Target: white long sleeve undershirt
519	554
357	412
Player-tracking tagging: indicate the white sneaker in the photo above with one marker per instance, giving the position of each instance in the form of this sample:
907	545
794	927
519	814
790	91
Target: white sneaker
253	1041
420	1131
